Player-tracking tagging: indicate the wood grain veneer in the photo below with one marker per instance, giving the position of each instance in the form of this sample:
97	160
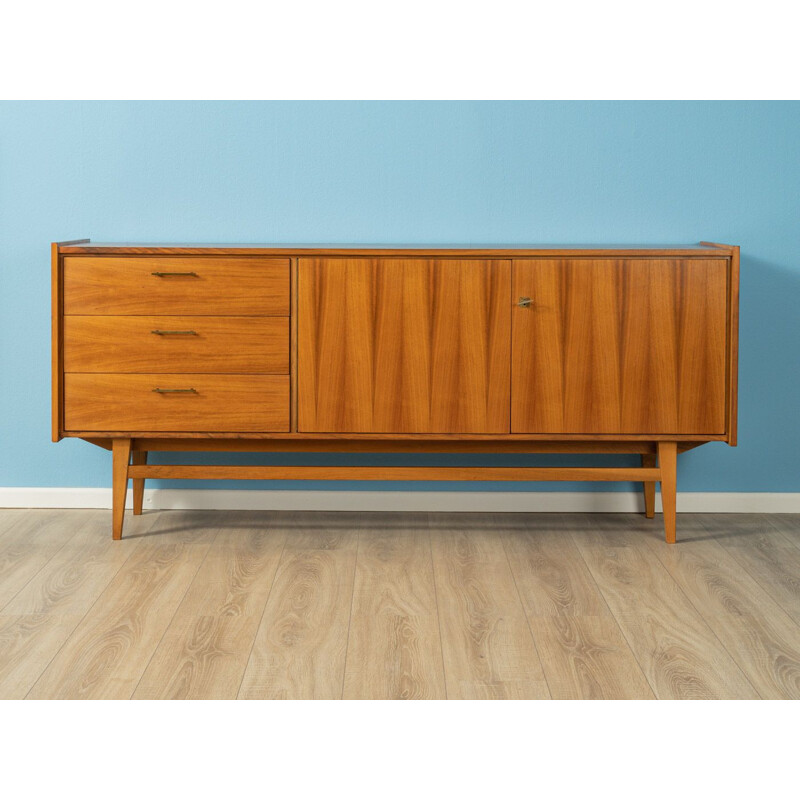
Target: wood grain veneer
176	344
619	346
105	400
210	285
401	346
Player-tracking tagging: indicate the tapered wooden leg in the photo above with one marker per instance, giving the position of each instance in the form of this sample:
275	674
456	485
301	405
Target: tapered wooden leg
120	457
139	457
668	463
649	461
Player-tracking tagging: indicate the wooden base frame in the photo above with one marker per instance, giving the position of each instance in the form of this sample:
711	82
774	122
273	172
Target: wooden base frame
658	463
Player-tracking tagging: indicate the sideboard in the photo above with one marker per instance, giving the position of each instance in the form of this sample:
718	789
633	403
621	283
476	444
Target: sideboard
399	349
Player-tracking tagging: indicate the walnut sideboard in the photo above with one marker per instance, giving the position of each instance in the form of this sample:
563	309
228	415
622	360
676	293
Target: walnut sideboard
402	349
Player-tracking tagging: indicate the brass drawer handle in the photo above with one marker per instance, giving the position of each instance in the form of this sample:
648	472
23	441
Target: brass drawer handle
175	391
524	302
174	333
185	274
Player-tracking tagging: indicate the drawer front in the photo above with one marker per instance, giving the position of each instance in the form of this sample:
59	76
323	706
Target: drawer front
219	403
189	285
176	344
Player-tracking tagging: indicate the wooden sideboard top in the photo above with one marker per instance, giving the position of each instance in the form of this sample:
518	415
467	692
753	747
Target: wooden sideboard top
86	247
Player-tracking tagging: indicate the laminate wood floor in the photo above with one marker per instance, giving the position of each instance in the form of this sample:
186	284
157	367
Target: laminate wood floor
313	605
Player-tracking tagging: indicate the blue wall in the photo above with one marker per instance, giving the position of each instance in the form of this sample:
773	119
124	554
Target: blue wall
428	172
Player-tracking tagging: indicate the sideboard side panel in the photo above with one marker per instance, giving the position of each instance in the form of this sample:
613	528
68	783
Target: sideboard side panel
56	352
733	348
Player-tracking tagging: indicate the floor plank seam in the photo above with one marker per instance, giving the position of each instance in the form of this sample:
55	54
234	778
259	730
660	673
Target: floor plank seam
708	625
793	541
60	648
743	566
438	609
620	628
732	552
350	617
172	618
257	628
525	614
80	621
38	572
658	554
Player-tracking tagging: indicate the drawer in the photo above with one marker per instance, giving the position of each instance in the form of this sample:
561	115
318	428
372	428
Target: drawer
176	344
187	285
218	403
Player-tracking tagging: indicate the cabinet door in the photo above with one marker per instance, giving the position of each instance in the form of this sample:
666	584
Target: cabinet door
634	346
389	345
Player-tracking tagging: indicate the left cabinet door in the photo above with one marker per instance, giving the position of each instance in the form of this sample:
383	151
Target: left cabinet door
390	345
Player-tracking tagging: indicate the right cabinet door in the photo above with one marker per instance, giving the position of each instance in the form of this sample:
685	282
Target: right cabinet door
619	346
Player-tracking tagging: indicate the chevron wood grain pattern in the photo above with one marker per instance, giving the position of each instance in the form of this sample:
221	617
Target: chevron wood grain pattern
396	346
619	346
394	646
210	285
371	605
487	646
300	648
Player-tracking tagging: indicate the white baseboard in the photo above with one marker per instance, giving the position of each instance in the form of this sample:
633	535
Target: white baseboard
299	500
